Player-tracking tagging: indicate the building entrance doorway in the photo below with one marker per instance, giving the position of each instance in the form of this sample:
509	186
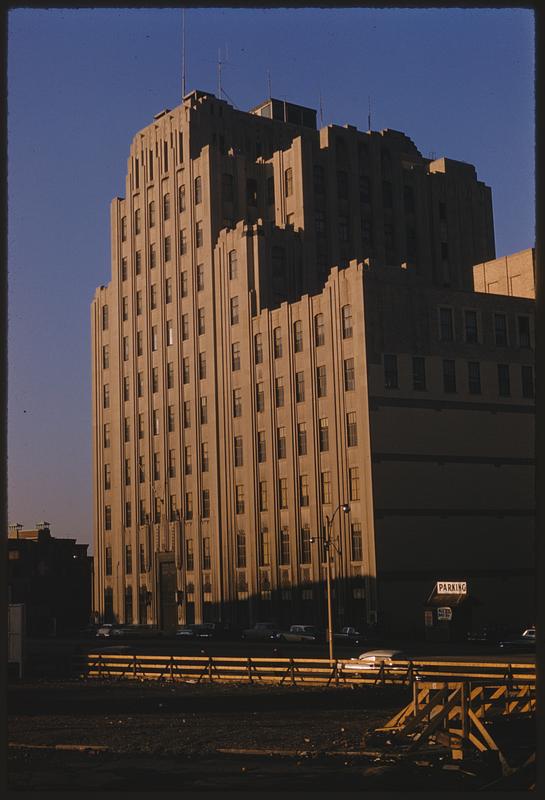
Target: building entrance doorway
168	612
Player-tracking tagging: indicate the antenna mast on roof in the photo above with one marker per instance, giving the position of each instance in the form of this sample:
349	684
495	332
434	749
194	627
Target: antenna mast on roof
269	82
219	73
183	54
369	113
321	111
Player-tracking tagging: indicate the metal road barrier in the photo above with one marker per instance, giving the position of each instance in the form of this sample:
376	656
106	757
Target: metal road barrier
299	671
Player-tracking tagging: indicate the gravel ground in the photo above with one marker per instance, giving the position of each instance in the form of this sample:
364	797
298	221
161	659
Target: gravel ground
168	736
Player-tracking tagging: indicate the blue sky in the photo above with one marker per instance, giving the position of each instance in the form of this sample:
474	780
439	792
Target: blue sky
459	82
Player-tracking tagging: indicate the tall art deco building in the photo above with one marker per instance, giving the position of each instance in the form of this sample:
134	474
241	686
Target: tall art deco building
286	310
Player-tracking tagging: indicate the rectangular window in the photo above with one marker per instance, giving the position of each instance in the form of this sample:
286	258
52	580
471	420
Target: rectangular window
139	343
263	495
138	262
205	510
151	213
472	332
504	382
474	377
524	331
156	467
302	439
153	296
172	510
321	381
347	322
298	336
390	372
140	426
108	518
171	463
258	348
288	182
188	463
324	435
126	388
155	380
108	560
349	375
128	559
299	387
106	396
171	419
168	290
106	434
283	492
107	477
187	414
279	392
199	234
125	309
239	498
284	547
167	249
205	462
206	559
261	447
125	348
142	515
237	402
152	255
305	545
189	555
259	397
138	303
354	483
170	375
270	190
124	270
251	192
281	442
277	340
105	318
201	327
105	356
527	378
141	469
140	384
241	549
234	311
185	327
265	549
166	206
449	375
198	190
183	251
123	229
233	268
204	410
325	487
128	514
137	220
142	558
319	331
154	338
126	430
202	366
419	373
188	506
303	490
200	277
185	370
239	458
446	325
351	429
235	356
356	549
500	329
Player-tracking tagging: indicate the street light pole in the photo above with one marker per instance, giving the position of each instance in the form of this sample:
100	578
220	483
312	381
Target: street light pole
327	547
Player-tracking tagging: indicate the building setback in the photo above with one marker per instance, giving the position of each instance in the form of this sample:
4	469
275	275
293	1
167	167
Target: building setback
266	277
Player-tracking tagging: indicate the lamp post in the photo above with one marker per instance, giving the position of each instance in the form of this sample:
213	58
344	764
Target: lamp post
327	547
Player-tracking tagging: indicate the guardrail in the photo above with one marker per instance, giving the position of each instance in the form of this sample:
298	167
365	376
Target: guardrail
297	671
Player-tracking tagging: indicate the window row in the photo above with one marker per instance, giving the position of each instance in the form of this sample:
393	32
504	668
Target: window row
450	376
473	335
170	421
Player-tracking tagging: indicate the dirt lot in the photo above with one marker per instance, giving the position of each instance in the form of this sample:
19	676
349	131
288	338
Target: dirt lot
170	737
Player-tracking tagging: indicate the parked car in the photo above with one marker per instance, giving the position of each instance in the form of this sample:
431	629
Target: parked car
300	633
262	631
525	643
203	630
349	635
373	660
106	631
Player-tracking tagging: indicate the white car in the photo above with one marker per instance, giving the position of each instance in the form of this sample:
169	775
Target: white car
374	659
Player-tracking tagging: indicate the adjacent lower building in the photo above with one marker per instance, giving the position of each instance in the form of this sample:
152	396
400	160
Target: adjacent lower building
291	326
53	579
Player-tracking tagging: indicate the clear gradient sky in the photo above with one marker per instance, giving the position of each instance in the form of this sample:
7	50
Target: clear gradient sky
81	83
